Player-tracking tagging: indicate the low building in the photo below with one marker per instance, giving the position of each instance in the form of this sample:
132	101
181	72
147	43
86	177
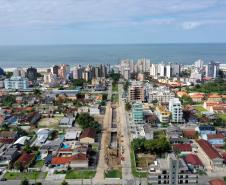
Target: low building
205	130
182	148
193	162
16	83
67	122
216	139
174	134
217	182
94	110
197	97
76	161
88	136
211	154
21	141
163	114
72	135
24	161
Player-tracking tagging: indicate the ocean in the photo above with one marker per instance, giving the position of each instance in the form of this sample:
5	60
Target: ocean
47	55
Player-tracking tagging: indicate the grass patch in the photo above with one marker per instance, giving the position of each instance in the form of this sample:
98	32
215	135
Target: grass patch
23	175
222	116
82	174
134	168
114	87
39	164
115	98
113	174
200	108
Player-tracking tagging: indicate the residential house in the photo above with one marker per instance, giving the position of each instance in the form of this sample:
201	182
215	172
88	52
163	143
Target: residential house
21	141
193	162
216	139
8	154
197	97
210	154
190	133
8	136
174	134
182	148
217	182
88	136
67	122
24	161
76	161
205	130
42	136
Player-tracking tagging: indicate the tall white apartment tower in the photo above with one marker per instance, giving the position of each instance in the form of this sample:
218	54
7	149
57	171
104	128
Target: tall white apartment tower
175	108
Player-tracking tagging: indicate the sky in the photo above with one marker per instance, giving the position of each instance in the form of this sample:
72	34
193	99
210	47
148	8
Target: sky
29	22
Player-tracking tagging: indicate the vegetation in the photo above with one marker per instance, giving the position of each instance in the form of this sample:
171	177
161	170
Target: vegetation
24	182
114	98
9	74
8	100
155	146
24	175
218	86
133	166
115	77
64	183
186	100
87	121
77	82
86	174
113	174
128	106
114	87
126	86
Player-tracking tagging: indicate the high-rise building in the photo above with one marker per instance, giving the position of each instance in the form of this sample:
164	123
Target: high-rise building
154	70
138	113
77	72
213	69
32	74
64	71
199	64
175	108
16	83
136	91
19	72
55	69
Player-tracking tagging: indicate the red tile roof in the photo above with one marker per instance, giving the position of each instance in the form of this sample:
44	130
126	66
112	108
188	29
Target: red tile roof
89	132
193	159
7	140
189	133
182	147
215	136
214	96
26	158
208	149
217	182
67	160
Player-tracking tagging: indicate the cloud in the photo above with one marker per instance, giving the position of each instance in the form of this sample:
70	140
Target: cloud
47	14
191	25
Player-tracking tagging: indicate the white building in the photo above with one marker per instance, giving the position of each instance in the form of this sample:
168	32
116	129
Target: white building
16	83
175	108
199	64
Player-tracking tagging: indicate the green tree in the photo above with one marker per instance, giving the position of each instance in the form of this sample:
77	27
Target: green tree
24	182
128	106
64	183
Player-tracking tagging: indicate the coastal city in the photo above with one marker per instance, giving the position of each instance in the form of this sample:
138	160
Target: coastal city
134	123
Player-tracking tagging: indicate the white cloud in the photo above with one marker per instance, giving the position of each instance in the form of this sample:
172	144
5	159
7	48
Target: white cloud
191	25
59	13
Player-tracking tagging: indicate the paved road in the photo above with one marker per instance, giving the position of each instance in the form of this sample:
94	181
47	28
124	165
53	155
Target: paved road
102	166
124	124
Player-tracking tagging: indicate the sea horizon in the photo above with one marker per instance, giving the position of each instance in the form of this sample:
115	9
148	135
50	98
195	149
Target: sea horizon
12	56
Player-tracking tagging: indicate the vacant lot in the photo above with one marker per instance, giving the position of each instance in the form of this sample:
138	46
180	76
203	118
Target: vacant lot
50	122
113	174
23	175
144	160
82	174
